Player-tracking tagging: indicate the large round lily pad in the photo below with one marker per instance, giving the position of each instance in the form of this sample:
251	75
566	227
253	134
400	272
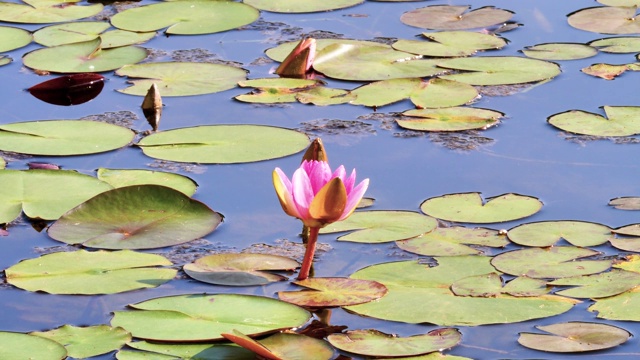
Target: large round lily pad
449	119
470	208
449	17
606	20
186	17
619	121
46	11
451	44
575	337
22	346
547	233
224	144
13	38
202	317
136	217
128	177
90	273
499	70
181	78
63	137
297	6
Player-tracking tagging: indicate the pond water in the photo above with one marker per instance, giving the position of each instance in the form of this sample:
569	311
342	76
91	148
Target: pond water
574	177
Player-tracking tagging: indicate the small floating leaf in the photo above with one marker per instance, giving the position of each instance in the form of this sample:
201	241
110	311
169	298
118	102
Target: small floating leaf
202	317
617	45
470	208
547	233
186	17
382	226
63	137
12	38
332	292
499	70
619	121
560	51
605	71
69	89
626	203
554	262
136	217
574	337
224	144
296	6
239	269
46	11
84	342
22	346
449	119
448	17
602	285
378	344
452	241
127	177
89	273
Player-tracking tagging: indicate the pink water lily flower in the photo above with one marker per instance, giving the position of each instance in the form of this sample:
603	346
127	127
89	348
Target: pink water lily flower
316	195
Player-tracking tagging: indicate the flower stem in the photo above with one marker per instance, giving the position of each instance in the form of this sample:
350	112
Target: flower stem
309	253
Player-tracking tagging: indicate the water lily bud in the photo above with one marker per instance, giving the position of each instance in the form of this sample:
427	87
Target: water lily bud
299	60
315	151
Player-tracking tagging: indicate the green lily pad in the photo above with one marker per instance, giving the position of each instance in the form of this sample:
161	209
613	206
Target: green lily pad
136	217
619	121
575	336
489	285
275	90
4	60
499	70
186	17
622	307
382	226
203	317
181	78
606	20
46	11
626	244
239	269
357	62
417	292
323	96
207	351
560	51
554	262
617	45
332	292
69	33
448	17
280	52
619	2
84	342
63	137
127	177
602	285
547	233
13	38
378	344
87	56
453	241
470	208
224	144
22	346
44	194
88	273
284	346
629	230
3	163
626	203
449	119
451	44
295	6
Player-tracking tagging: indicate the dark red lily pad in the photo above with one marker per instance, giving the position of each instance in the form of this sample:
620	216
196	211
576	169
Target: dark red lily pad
69	89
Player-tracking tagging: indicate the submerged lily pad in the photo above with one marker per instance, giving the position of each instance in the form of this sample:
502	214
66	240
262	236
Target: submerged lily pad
13	38
186	17
224	144
554	262
619	121
606	20
46	11
547	233
448	17
560	51
203	317
382	226
331	292
453	241
297	6
84	342
575	337
451	44
63	137
22	346
378	344
136	217
239	269
90	273
449	119
284	346
181	78
87	56
499	70
44	194
127	177
417	293
470	208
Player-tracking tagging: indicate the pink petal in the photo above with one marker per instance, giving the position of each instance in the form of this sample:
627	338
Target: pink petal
350	181
354	198
287	197
302	192
319	173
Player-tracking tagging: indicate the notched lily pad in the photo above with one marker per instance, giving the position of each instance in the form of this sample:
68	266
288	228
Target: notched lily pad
619	121
605	71
12	38
239	269
46	11
449	119
208	351
451	44
626	203
602	285
23	346
560	51
617	45
547	233
88	273
490	285
453	241
606	20
127	177
84	342
448	17
470	207
575	336
332	292
499	70
378	344
136	217
74	32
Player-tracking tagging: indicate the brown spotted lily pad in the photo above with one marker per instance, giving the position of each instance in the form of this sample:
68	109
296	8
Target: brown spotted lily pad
239	269
331	292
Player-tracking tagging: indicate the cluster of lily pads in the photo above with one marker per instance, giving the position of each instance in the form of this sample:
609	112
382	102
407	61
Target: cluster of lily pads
120	211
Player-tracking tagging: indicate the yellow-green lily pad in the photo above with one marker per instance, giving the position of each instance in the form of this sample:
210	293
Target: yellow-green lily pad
332	292
619	121
449	17
13	38
547	233
22	346
451	44
75	32
560	51
46	11
127	177
449	119
84	342
572	337
499	70
453	241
